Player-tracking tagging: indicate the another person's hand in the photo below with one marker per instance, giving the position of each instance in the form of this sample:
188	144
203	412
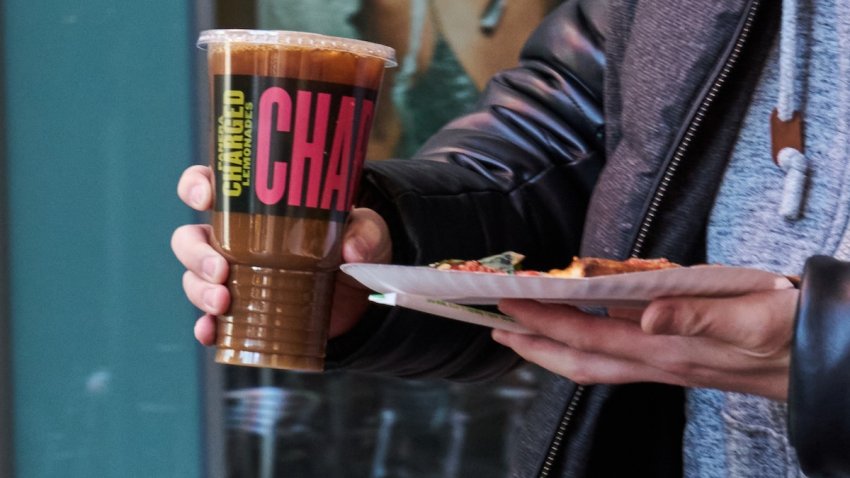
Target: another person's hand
366	239
737	344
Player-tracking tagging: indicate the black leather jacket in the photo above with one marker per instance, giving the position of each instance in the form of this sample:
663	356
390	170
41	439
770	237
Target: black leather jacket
609	139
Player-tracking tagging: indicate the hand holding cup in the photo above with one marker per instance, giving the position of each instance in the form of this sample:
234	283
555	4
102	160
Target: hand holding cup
365	239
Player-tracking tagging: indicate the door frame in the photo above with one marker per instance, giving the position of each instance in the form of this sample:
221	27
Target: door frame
6	426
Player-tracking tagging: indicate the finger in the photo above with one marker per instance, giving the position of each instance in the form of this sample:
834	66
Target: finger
621	339
190	244
366	238
211	298
633	314
539	316
195	187
579	330
590	368
351	300
205	330
759	322
580	367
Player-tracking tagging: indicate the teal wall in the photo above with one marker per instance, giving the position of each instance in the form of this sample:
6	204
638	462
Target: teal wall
99	115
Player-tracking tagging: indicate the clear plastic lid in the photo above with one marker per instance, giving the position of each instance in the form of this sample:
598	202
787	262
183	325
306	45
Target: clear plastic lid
298	39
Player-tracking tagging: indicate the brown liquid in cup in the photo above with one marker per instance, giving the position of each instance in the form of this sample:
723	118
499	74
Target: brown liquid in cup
282	267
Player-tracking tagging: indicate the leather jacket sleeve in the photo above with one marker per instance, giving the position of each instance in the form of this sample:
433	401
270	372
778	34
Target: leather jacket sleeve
819	387
514	174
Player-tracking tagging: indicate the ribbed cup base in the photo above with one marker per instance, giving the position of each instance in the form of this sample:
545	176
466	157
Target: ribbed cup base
277	318
279	361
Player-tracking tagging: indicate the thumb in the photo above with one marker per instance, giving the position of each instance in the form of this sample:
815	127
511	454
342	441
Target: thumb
754	321
366	238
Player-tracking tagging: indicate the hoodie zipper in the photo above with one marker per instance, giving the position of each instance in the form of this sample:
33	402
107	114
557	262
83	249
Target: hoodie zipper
558	439
696	122
649	218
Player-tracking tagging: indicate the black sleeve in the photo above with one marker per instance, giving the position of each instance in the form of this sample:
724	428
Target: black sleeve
514	174
819	387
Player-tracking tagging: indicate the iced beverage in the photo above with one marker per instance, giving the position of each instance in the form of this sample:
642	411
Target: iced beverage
291	114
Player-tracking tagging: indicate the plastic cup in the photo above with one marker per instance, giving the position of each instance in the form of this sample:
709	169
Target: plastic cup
290	121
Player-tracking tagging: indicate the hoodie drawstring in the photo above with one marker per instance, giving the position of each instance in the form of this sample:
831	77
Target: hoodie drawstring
787	120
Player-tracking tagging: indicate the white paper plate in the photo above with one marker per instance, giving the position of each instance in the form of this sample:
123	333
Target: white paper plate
625	290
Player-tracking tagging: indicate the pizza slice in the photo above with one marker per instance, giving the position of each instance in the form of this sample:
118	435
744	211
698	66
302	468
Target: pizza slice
582	267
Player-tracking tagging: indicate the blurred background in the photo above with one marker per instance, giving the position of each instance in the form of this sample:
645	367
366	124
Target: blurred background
101	108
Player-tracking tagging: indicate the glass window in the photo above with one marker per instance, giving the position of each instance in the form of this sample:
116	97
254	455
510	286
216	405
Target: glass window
99	116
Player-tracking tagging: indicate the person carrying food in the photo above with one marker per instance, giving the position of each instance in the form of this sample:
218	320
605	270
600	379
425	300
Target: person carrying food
656	129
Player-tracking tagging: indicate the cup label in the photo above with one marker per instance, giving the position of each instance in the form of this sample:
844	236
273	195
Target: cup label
288	147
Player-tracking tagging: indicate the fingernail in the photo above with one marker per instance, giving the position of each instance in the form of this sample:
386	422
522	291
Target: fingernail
498	336
209	300
357	249
503	307
198	196
210	267
658	321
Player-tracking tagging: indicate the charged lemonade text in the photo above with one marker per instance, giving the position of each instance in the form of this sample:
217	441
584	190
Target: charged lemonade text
235	132
327	146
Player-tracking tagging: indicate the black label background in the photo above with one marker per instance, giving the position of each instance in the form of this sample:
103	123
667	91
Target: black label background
281	143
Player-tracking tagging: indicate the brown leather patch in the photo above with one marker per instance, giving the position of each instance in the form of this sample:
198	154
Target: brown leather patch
785	134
